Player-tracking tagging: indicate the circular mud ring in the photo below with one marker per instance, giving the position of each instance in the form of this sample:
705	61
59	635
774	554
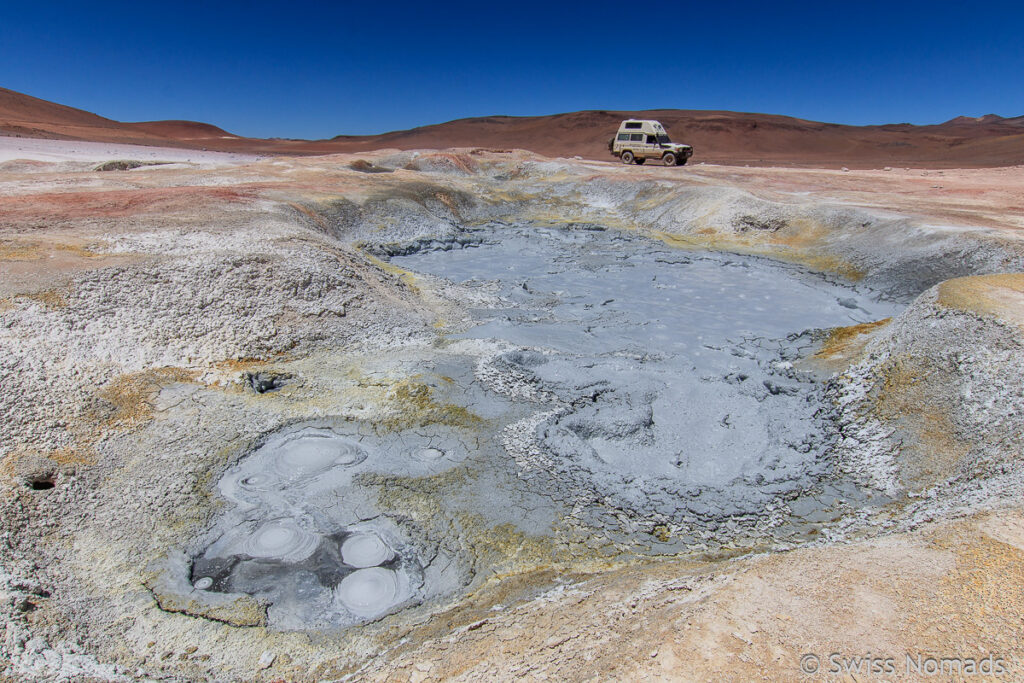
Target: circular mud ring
365	549
309	454
428	454
368	592
283	541
260	481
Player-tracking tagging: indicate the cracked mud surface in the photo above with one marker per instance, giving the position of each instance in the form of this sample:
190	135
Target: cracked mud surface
286	419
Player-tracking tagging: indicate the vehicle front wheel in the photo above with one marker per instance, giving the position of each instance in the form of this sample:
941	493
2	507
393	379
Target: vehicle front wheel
627	157
670	159
640	162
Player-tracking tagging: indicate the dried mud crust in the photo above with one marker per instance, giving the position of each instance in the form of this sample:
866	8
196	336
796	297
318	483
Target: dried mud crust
923	592
931	413
126	398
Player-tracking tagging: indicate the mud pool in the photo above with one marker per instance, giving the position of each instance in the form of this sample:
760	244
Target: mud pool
632	388
669	374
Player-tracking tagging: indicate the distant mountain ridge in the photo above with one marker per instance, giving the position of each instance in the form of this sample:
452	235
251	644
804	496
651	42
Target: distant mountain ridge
989	118
717	136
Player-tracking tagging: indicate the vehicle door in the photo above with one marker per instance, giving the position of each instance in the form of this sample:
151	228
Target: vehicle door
652	149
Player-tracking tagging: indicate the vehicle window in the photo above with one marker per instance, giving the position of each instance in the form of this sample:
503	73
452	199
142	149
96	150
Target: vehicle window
623	136
634	124
663	139
636	137
652	140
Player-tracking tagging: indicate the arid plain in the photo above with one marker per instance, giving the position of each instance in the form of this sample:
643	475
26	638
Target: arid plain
167	313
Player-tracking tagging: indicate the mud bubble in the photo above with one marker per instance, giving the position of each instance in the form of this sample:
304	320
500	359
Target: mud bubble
305	537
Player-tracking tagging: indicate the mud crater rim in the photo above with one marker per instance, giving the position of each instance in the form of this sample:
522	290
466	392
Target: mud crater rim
624	355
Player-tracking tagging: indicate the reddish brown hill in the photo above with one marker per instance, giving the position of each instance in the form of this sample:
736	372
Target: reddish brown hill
730	137
180	130
717	136
29	116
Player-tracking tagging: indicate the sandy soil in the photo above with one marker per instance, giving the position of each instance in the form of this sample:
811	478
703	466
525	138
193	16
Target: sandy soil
987	197
134	301
32	149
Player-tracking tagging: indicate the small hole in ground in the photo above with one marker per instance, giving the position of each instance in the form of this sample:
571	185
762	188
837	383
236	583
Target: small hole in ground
262	382
41	483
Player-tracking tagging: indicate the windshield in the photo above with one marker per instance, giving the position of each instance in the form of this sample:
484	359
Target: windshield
663	139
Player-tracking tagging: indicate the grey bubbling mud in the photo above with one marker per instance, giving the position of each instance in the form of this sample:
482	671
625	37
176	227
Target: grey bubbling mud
307	539
667	375
633	382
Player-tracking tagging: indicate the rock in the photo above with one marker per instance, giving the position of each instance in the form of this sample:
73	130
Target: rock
36	645
266	659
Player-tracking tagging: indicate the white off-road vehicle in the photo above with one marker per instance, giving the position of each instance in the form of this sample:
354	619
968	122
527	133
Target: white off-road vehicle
639	140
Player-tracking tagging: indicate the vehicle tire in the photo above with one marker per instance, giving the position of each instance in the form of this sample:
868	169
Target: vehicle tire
627	157
640	162
670	159
682	161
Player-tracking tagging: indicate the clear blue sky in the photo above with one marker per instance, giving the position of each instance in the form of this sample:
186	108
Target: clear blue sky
304	69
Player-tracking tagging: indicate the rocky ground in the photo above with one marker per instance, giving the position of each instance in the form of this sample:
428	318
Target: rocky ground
147	308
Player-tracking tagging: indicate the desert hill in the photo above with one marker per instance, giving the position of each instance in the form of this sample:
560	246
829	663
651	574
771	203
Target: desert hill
28	116
731	137
180	130
717	136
